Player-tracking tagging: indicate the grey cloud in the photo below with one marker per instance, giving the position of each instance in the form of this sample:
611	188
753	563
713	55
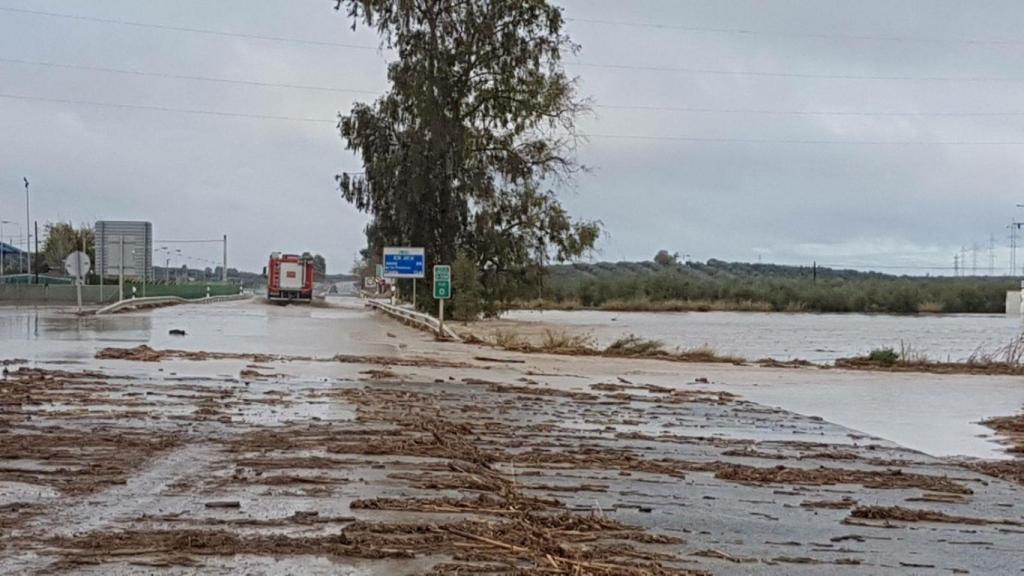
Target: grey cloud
269	184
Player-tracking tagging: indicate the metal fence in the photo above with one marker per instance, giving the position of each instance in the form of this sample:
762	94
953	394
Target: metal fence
43	279
63	293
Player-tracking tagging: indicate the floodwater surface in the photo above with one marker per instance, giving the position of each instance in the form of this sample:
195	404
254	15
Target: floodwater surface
937	414
819	338
41	334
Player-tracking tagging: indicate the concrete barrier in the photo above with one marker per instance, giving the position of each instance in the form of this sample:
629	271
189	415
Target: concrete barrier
413	318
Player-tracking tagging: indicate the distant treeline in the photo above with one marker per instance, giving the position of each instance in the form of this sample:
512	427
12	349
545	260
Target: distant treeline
718	285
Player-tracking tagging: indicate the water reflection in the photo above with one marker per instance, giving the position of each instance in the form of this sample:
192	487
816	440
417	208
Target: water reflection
46	324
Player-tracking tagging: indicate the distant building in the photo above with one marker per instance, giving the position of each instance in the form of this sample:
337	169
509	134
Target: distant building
12	258
10	250
124	245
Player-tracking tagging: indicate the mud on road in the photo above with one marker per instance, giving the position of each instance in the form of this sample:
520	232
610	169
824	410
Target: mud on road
415	468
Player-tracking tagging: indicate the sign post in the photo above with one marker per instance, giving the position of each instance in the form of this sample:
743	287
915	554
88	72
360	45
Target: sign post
405	263
77	264
442	292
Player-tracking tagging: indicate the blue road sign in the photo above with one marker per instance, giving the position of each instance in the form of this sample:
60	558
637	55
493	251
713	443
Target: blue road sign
404	263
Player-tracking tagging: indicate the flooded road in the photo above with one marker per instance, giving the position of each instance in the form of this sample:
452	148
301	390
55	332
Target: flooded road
334	441
819	338
937	414
252	326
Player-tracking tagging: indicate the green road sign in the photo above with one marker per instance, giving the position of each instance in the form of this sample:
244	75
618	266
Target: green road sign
442	282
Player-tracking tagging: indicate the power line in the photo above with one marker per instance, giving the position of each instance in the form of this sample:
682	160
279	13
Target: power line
693	139
217	241
613	66
154	108
638	107
808	35
769	112
191	30
702	139
713	30
803	75
144	73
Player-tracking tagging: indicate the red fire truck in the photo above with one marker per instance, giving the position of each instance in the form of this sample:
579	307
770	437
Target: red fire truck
290	278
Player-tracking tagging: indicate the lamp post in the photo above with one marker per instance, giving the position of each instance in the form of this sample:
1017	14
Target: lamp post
28	229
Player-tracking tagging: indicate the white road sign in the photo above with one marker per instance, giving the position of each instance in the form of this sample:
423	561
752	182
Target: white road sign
77	264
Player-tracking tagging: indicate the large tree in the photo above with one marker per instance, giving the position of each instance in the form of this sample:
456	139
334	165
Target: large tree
478	125
320	265
62	238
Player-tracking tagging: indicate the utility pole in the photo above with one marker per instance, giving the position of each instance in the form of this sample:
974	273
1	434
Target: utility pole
37	251
224	270
28	228
96	254
956	265
1014	227
3	248
120	275
991	254
963	260
1013	247
974	258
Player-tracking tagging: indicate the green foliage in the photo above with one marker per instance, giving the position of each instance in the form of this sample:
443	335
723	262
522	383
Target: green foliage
479	119
663	258
467	291
886	356
509	340
565	341
633	345
62	238
320	265
718	285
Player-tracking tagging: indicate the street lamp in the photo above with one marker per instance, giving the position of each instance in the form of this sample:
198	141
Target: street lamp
166	252
28	230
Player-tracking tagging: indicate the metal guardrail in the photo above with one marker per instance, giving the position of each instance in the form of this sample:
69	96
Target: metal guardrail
413	318
154	301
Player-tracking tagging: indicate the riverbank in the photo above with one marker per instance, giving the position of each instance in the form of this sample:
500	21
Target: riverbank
1012	429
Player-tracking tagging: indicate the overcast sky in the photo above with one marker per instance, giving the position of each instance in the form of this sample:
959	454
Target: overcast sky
870	133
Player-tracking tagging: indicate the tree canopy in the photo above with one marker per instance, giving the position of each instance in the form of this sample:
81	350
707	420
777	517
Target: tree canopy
461	154
62	238
664	258
320	265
